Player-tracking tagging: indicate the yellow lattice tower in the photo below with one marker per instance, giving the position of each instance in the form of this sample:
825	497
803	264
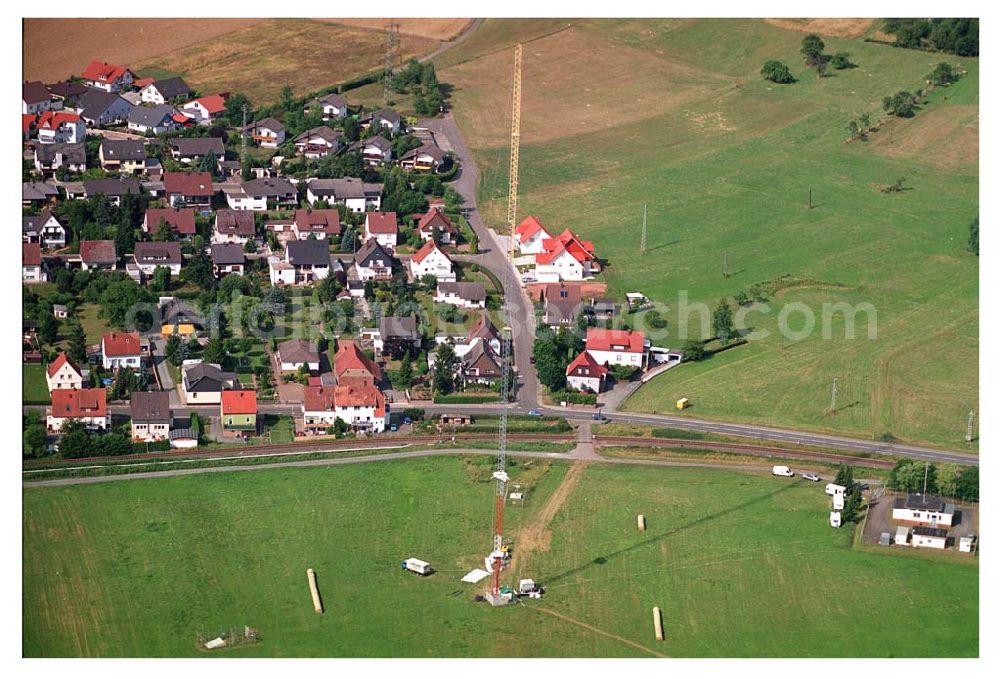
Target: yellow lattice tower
515	143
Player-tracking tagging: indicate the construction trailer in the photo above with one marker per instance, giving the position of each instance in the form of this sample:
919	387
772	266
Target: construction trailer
835	519
417	566
834	489
838	501
902	535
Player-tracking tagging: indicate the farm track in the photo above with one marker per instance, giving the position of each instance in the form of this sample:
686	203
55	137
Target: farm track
409	441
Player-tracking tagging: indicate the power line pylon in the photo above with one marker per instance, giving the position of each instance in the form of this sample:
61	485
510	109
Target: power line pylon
391	52
642	242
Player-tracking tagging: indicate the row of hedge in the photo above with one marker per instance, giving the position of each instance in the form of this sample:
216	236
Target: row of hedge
575	397
466	398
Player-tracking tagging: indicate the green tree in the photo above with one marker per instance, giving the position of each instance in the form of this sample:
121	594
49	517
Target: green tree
171	349
722	321
215	352
845	476
967	486
841	60
902	105
352	130
694	350
33	438
812	50
776	72
48	326
852	505
161	279
286	98
77	349
447	362
947	479
973	243
551	367
405	373
124	240
199	271
943	74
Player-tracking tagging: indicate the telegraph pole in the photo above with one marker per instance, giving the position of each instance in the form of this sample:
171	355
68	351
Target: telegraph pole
642	243
243	137
833	396
968	427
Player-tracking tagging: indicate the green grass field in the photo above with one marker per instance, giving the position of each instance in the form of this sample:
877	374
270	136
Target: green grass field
673	114
741	565
34	388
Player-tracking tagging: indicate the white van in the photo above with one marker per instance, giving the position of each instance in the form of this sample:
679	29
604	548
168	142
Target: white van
417	566
781	470
834	489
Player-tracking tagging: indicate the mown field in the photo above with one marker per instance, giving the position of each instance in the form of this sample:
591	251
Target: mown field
741	565
674	114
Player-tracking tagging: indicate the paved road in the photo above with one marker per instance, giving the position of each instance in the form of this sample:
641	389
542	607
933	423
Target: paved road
494	257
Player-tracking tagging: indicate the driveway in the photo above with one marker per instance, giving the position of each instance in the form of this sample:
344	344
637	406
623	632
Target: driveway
494	257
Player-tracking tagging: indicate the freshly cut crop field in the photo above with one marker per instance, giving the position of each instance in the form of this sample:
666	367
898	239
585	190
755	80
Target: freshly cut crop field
305	54
841	28
57	48
741	565
673	114
435	29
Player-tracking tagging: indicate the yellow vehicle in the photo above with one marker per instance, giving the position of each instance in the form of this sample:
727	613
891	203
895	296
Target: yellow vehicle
682	403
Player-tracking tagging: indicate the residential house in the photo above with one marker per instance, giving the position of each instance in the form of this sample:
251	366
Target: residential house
373	262
304	261
186	149
294	353
397	335
35	98
617	347
530	234
206	109
561	305
89	406
43	228
52	157
228	258
121	350
269	133
32	268
318	142
98	255
362	407
467	295
150	255
180	220
239	412
484	329
374	151
123	155
352	367
60	127
113	189
108	77
356	195
234	226
28	121
150	412
67	91
38	193
435	225
425	158
163	91
258	194
63	373
321	224
178	317
925	510
384	118
383	227
203	383
331	106
156	120
479	365
192	189
100	109
431	260
564	258
585	374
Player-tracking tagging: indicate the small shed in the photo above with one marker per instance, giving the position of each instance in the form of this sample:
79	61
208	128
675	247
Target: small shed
902	535
885	539
59	311
933	538
966	543
455	419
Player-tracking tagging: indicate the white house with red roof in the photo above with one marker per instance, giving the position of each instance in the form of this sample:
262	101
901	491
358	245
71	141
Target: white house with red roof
89	406
60	127
120	350
206	109
383	227
585	374
32	266
63	373
431	260
564	258
361	407
108	77
530	234
617	347
435	223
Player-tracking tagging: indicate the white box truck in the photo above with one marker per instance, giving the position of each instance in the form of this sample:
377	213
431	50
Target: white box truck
781	470
417	566
834	489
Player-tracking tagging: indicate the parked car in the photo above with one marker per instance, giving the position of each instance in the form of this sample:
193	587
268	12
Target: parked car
534	413
407	420
810	477
600	417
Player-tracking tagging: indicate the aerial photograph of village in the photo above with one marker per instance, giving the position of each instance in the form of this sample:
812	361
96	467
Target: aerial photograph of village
500	337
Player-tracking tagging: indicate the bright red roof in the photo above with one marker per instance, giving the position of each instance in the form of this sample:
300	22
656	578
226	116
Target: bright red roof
79	403
102	71
349	357
31	254
53	120
27	122
599	339
181	119
188	183
582	251
61	360
180	220
585	360
381	222
239	402
213	103
347	396
142	82
120	344
528	228
426	249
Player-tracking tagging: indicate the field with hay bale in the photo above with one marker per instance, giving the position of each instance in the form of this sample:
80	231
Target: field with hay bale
739	565
674	114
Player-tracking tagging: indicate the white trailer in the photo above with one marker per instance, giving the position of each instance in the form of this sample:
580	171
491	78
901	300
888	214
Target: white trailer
781	470
417	566
834	489
835	519
838	501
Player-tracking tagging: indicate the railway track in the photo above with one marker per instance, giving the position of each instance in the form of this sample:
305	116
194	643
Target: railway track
333	446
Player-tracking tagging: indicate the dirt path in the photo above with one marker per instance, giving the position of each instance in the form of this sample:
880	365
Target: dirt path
537	536
596	630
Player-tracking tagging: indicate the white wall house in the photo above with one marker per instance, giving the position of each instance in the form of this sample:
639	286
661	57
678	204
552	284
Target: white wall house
120	350
585	374
360	407
616	347
552	267
89	406
530	234
933	538
431	260
466	295
62	373
927	510
60	127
